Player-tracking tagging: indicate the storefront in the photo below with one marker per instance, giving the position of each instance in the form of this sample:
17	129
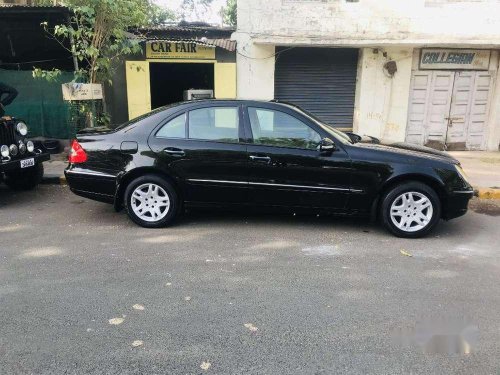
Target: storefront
450	98
320	80
180	63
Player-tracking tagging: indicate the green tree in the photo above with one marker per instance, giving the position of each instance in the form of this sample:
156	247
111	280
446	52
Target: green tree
230	13
97	33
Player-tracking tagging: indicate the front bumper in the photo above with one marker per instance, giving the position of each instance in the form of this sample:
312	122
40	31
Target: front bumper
10	165
457	203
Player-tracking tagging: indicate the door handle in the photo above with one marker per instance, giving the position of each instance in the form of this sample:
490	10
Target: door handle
260	159
174	151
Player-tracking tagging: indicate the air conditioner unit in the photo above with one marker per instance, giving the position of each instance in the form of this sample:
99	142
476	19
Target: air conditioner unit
198	94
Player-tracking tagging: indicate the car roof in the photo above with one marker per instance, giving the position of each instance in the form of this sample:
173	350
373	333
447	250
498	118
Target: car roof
243	101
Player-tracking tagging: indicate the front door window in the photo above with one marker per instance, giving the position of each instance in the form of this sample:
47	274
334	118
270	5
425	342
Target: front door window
274	128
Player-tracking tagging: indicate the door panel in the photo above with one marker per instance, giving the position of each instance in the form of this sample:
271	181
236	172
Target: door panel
298	177
286	167
439	108
459	110
449	110
211	170
479	110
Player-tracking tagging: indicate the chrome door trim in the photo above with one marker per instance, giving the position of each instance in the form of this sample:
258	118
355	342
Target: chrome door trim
219	181
90	173
276	185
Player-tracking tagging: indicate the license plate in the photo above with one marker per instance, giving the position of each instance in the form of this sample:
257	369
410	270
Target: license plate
26	163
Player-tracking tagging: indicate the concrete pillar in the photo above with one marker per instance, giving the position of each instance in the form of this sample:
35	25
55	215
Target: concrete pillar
381	106
255	69
493	133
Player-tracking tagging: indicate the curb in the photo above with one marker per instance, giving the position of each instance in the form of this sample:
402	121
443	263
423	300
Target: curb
53	179
487	193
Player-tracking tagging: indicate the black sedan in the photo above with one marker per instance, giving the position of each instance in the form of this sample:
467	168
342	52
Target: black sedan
253	154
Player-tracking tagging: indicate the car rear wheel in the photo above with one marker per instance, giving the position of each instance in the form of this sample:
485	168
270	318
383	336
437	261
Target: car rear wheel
151	201
411	210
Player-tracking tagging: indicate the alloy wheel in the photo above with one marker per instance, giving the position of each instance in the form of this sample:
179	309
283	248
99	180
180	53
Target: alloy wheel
411	211
150	202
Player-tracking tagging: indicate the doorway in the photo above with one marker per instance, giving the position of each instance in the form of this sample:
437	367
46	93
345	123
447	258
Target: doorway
449	110
168	81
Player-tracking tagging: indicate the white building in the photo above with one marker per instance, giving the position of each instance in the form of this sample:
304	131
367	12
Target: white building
336	59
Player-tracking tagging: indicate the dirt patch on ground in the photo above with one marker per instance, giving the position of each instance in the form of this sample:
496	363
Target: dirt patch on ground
485	206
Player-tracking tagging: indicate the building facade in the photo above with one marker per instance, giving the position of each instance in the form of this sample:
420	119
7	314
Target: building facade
421	71
175	59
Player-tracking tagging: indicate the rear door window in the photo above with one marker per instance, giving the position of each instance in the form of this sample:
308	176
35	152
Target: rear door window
219	124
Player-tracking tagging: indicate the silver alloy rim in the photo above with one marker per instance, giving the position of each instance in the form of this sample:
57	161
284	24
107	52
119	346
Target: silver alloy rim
150	202
411	211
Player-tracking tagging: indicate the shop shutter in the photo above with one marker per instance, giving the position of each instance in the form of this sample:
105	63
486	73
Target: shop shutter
320	80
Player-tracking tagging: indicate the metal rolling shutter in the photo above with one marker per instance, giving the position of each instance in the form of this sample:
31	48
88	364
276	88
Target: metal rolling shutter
320	80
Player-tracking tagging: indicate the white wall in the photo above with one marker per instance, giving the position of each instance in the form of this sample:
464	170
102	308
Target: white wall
255	69
381	106
371	22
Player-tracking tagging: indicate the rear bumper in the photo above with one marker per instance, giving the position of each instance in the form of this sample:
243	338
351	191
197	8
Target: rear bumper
95	185
457	204
16	164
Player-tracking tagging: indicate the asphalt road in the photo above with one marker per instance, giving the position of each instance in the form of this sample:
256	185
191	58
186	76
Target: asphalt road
238	294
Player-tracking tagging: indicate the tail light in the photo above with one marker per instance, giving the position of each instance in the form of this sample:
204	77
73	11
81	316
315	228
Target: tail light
77	154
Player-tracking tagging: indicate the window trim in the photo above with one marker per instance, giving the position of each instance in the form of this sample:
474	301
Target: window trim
251	139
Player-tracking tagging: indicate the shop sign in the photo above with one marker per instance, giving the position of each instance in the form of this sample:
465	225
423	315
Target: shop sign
178	50
82	91
448	59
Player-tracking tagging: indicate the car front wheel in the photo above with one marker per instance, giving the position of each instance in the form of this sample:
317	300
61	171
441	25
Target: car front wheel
151	201
411	210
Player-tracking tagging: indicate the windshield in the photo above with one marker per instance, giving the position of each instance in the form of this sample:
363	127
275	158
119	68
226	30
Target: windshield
340	136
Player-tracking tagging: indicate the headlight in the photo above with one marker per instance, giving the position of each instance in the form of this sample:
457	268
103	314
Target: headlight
4	151
13	150
22	128
462	173
30	146
22	147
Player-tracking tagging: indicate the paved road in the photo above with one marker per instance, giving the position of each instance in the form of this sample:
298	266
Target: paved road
236	294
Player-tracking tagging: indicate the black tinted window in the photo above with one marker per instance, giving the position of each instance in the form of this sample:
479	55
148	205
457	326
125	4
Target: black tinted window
175	128
275	128
215	124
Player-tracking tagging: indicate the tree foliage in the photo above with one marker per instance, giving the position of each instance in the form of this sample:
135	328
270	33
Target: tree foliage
97	33
195	8
230	13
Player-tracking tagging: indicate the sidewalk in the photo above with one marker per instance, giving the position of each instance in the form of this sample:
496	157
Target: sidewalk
54	169
482	169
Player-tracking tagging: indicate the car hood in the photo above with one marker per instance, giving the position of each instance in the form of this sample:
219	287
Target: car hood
406	149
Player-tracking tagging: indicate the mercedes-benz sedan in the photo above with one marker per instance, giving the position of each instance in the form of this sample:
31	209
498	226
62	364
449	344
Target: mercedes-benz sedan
253	154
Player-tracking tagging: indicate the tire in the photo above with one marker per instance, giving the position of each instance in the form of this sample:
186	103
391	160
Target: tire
157	213
403	215
24	179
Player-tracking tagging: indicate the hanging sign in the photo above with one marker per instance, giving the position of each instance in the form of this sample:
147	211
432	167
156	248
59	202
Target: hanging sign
178	50
463	59
82	91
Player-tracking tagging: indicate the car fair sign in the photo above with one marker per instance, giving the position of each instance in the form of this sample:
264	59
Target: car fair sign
164	49
82	91
450	59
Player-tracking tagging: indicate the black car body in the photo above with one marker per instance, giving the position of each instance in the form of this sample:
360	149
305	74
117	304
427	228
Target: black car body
295	162
21	161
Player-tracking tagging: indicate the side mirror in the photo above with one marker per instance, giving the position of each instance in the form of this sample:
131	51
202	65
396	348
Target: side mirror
355	138
327	146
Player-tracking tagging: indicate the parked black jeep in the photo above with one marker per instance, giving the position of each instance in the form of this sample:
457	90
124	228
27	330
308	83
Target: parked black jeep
21	162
